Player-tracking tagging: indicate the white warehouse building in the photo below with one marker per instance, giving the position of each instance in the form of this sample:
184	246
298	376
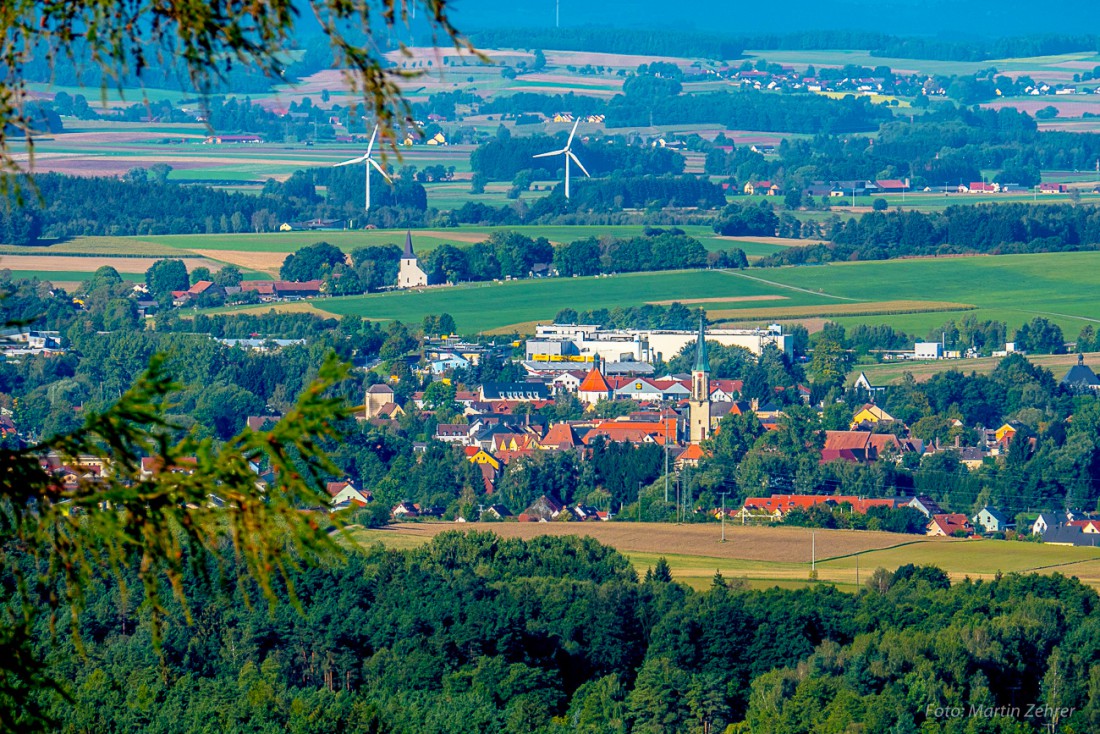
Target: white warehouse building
642	345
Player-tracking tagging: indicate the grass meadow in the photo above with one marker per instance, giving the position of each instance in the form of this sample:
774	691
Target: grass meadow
892	373
1014	288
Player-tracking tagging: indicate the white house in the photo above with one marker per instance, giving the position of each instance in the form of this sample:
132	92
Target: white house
991	520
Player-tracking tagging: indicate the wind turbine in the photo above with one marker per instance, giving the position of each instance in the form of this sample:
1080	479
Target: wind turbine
368	162
568	153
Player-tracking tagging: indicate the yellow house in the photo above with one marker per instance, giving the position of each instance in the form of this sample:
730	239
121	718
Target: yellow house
1005	433
870	414
484	457
563	117
437	139
285	227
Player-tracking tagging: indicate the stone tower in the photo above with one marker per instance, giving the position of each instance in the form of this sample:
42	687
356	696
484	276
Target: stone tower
699	403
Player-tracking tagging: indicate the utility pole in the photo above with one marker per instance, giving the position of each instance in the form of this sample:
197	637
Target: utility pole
724	516
857	573
813	551
666	460
639	501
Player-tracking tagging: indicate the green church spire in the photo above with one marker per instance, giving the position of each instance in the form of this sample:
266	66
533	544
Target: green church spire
702	363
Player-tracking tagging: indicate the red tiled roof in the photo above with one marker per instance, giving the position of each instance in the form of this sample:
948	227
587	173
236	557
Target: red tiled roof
951	523
561	435
694	452
594	382
786	502
838	440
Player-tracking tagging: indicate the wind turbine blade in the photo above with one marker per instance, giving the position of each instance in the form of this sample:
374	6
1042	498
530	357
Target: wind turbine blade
570	141
578	162
380	169
360	159
370	145
553	152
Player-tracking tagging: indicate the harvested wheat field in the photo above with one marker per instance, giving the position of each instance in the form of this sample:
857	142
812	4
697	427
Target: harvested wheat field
784	545
263	262
780	556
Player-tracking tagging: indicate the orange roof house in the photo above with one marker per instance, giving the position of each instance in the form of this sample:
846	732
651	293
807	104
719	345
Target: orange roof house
948	525
560	437
594	388
691	456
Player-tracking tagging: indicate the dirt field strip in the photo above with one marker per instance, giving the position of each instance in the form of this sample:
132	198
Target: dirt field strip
264	262
62	264
469	237
785	241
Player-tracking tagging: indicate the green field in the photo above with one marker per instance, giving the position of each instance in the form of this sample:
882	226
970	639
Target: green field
348	240
1063	287
1013	288
487	306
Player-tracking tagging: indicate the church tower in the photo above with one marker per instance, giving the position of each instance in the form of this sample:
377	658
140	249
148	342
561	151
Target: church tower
699	404
409	275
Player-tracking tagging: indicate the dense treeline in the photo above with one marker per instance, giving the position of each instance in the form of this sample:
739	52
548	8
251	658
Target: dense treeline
648	316
618	192
656	249
946	147
987	228
74	67
506	155
505	254
478	634
750	110
141	205
605	39
918	47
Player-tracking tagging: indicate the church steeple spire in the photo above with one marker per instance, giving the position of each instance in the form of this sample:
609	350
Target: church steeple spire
409	254
699	404
702	363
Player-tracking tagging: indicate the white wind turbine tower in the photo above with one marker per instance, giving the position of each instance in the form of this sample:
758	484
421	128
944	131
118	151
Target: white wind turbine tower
567	151
368	162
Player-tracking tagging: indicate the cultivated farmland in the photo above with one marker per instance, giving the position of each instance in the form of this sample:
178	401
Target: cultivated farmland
781	555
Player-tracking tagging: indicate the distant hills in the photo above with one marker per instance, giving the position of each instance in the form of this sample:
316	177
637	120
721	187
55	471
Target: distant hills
944	18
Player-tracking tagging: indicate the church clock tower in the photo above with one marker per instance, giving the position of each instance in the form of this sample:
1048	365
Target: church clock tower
699	404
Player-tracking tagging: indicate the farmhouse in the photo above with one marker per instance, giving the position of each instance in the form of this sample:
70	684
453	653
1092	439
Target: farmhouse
232	139
949	525
761	188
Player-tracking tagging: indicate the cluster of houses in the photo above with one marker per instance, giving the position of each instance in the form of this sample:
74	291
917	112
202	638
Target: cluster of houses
866	187
940	524
15	342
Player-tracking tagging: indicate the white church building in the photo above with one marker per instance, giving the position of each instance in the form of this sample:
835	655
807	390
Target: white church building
410	275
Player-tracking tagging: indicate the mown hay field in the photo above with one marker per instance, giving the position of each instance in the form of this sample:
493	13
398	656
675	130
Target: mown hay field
778	555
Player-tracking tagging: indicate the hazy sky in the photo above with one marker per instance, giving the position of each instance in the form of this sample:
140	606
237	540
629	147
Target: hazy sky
901	17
